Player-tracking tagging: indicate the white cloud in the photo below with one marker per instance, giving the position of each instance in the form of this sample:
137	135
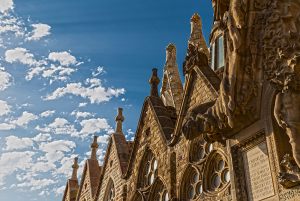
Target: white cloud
23	56
7	126
13	161
56	150
91	126
59	191
96	93
82	104
16	143
5	80
25	119
35	184
59	126
47	113
4	108
79	114
39	31
64	58
42	137
6	5
98	71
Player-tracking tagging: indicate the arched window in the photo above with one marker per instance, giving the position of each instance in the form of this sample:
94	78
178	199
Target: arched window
149	168
192	185
217	172
200	149
110	191
159	192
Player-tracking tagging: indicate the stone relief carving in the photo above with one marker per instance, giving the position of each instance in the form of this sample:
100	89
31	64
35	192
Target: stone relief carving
282	69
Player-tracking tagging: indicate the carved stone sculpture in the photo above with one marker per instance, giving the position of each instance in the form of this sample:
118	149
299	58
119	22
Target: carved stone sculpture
287	103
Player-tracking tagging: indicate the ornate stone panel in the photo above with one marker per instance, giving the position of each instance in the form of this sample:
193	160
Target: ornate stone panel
252	169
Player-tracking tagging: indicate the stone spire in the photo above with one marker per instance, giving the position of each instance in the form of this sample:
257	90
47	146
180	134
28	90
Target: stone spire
171	90
94	147
75	167
119	121
154	81
197	38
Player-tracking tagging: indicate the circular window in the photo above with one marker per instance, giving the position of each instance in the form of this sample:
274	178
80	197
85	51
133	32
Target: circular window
199	150
218	173
193	186
149	172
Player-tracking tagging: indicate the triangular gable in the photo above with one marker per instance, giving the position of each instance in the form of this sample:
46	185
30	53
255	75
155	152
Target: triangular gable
201	87
71	190
89	179
119	143
163	119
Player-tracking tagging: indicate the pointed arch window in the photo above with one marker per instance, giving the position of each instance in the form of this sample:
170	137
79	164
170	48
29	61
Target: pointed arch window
159	192
192	186
149	170
110	191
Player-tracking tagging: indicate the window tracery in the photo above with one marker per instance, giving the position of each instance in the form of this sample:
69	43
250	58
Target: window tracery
192	185
110	191
218	174
159	192
149	170
200	149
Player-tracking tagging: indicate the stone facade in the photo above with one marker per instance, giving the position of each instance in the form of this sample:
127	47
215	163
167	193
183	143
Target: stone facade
230	132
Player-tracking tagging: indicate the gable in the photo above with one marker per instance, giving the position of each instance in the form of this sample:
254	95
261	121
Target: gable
113	164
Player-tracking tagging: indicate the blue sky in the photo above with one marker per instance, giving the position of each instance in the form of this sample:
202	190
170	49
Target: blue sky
65	68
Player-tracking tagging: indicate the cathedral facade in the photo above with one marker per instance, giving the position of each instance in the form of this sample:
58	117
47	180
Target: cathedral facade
229	131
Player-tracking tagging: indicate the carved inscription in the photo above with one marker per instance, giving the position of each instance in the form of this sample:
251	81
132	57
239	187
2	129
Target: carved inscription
258	173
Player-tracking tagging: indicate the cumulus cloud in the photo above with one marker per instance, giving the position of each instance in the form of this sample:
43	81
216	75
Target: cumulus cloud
56	150
25	119
16	143
5	80
59	126
5	108
95	92
36	184
39	31
42	137
6	5
7	126
82	104
64	58
91	126
13	161
22	56
79	114
47	113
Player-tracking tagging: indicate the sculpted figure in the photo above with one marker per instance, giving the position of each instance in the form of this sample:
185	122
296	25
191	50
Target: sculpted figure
287	103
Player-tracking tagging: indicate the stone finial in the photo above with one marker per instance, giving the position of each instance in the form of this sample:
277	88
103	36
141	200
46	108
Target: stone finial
119	121
171	55
197	38
94	147
154	81
75	167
